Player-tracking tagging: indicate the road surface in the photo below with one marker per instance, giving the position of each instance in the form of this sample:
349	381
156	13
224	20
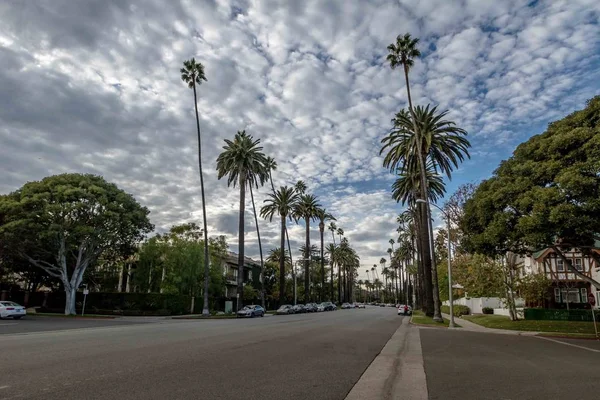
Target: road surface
307	356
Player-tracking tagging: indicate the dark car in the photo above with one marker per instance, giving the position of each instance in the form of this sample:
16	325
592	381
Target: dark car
299	308
327	306
311	307
251	312
285	309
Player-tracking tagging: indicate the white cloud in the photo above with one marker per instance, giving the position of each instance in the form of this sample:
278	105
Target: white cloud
95	87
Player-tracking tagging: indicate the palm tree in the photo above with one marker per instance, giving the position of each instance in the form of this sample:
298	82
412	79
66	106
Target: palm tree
323	216
340	233
403	53
360	283
385	272
271	166
243	162
262	263
331	251
275	255
192	74
422	144
281	203
333	229
306	208
300	187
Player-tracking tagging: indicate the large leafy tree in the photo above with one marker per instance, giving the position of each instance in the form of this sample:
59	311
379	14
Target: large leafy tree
243	162
306	209
547	194
193	75
281	203
65	223
323	216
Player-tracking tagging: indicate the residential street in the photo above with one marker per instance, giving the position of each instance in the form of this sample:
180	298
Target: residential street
315	356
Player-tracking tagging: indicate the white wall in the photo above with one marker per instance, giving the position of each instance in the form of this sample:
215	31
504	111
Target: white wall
476	304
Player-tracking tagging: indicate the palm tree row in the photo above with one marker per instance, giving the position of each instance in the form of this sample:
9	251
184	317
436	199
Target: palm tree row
421	145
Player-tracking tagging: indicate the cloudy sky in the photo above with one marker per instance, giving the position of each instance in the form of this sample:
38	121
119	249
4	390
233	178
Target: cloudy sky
94	86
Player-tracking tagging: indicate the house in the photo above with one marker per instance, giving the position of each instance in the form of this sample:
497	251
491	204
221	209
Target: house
567	288
230	272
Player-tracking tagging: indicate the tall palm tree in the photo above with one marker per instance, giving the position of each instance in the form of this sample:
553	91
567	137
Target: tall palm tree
403	53
385	273
306	209
422	144
360	283
300	187
192	74
262	263
333	228
243	162
282	203
341	282
271	165
331	251
323	216
275	255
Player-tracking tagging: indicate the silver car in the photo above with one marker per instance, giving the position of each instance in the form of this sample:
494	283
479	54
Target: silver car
9	309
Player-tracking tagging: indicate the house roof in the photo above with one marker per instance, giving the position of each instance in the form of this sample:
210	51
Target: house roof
538	254
233	259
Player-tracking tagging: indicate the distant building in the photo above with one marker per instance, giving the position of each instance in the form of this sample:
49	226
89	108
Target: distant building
230	272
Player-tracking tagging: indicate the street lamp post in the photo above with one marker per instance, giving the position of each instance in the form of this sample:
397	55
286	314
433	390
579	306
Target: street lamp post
450	297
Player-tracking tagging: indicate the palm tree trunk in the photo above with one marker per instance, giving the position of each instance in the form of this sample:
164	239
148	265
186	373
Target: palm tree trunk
410	106
339	283
307	263
262	264
205	310
240	280
322	229
282	264
437	311
424	273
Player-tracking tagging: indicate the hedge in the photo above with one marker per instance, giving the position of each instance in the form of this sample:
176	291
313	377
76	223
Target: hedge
458	310
487	310
542	314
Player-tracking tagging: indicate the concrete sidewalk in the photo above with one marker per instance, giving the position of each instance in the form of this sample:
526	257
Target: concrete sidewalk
397	372
473	327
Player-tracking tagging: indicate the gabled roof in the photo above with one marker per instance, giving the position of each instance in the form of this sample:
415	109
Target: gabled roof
541	253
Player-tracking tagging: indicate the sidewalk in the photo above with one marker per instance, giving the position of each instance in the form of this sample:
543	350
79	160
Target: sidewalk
397	373
473	327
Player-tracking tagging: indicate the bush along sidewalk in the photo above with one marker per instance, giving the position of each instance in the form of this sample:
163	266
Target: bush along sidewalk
459	310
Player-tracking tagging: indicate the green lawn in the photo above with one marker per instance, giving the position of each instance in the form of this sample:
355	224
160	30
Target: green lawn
420	318
502	322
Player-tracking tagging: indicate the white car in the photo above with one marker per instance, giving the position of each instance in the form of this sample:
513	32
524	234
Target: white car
10	309
404	310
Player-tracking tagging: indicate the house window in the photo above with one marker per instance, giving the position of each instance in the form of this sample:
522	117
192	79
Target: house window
573	295
560	265
583	295
578	264
556	295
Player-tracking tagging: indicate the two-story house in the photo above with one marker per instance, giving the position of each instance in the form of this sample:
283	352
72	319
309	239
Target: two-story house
230	272
566	286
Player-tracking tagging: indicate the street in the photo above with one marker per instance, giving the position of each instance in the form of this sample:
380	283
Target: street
34	323
315	356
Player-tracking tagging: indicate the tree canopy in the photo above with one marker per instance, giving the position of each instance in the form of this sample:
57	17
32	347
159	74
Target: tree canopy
547	194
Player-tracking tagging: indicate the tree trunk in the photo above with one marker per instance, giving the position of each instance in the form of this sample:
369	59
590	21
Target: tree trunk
71	293
339	283
240	280
262	264
322	229
205	310
291	262
424	259
307	263
331	283
437	312
282	263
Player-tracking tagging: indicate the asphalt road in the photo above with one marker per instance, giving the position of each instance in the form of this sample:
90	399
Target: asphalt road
32	323
308	356
474	366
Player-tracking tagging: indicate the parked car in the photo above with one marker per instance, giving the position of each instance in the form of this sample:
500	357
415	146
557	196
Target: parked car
285	309
311	307
361	305
251	312
327	306
404	309
10	309
346	306
299	308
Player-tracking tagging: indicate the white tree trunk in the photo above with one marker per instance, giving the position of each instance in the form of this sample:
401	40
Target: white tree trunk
71	298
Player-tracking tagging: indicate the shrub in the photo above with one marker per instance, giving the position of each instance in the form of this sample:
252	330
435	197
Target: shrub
488	310
458	310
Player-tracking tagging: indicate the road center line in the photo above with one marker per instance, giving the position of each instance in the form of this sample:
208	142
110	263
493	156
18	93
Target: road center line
4	387
568	344
10	323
